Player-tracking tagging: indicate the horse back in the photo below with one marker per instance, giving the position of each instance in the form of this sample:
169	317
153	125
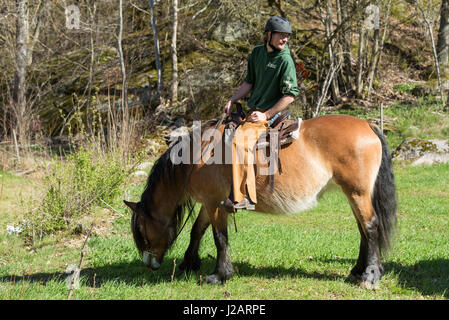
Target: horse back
334	147
340	141
347	147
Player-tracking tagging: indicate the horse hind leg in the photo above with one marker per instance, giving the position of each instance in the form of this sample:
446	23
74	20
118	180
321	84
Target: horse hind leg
368	267
192	259
374	205
361	265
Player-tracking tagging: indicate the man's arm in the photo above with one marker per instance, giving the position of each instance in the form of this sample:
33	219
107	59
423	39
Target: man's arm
278	107
243	91
281	105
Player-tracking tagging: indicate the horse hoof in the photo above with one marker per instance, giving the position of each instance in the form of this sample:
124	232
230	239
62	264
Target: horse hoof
371	277
370	286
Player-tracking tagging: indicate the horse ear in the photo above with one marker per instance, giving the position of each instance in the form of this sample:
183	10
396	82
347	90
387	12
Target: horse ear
132	205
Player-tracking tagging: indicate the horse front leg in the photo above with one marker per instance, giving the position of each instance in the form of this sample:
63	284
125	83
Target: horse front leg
192	259
223	269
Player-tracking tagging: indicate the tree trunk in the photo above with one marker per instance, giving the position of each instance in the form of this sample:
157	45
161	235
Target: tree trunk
434	50
360	60
156	49
378	48
37	21
443	36
375	47
20	85
443	44
122	64
332	58
92	66
339	49
174	55
373	59
347	46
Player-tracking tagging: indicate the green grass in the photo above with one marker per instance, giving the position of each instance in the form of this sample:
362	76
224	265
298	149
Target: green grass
303	256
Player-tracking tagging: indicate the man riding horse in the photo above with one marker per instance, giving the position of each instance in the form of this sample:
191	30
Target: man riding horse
351	153
271	79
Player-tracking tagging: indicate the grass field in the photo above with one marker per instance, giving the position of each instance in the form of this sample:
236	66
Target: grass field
302	256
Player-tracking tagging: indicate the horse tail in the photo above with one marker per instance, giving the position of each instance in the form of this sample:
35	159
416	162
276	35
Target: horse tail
383	197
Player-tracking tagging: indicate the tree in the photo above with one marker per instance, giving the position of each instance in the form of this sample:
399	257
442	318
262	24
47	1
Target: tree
331	45
443	42
20	86
174	55
377	48
156	49
122	62
434	50
443	35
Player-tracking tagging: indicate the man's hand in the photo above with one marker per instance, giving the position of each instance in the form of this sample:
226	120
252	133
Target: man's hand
227	107
257	116
243	91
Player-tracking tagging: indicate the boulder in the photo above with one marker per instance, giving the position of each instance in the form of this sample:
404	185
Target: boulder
422	151
230	31
424	90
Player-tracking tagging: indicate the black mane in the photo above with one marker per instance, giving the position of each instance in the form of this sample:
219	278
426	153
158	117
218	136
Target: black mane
163	171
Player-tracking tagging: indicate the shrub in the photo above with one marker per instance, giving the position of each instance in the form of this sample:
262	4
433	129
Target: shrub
404	87
72	187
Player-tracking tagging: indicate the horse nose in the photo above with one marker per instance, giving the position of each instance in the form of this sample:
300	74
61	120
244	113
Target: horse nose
150	261
154	264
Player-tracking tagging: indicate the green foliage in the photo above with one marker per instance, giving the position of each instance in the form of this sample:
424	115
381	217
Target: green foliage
404	87
73	187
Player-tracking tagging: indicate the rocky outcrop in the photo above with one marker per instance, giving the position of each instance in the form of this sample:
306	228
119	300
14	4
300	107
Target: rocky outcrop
422	151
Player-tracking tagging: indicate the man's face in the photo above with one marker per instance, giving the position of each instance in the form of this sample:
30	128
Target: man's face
279	39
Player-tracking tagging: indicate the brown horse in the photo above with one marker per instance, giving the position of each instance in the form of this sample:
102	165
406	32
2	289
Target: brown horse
343	149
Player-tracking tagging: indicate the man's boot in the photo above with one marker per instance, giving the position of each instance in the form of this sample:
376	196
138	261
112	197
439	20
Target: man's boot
231	206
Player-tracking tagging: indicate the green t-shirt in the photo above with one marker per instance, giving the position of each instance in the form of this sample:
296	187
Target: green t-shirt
272	74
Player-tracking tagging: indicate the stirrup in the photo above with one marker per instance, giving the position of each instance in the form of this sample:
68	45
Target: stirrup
245	204
232	207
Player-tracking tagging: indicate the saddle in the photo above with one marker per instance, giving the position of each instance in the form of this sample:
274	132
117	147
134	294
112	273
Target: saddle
287	131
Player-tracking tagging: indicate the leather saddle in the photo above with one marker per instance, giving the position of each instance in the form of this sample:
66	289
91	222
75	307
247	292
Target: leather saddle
287	129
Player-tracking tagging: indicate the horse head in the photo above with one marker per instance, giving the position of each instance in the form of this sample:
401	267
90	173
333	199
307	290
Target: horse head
151	236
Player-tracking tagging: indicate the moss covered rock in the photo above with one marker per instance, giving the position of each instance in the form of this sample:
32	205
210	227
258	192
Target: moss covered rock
422	151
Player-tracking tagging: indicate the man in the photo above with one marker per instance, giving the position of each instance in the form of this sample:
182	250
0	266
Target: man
271	79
